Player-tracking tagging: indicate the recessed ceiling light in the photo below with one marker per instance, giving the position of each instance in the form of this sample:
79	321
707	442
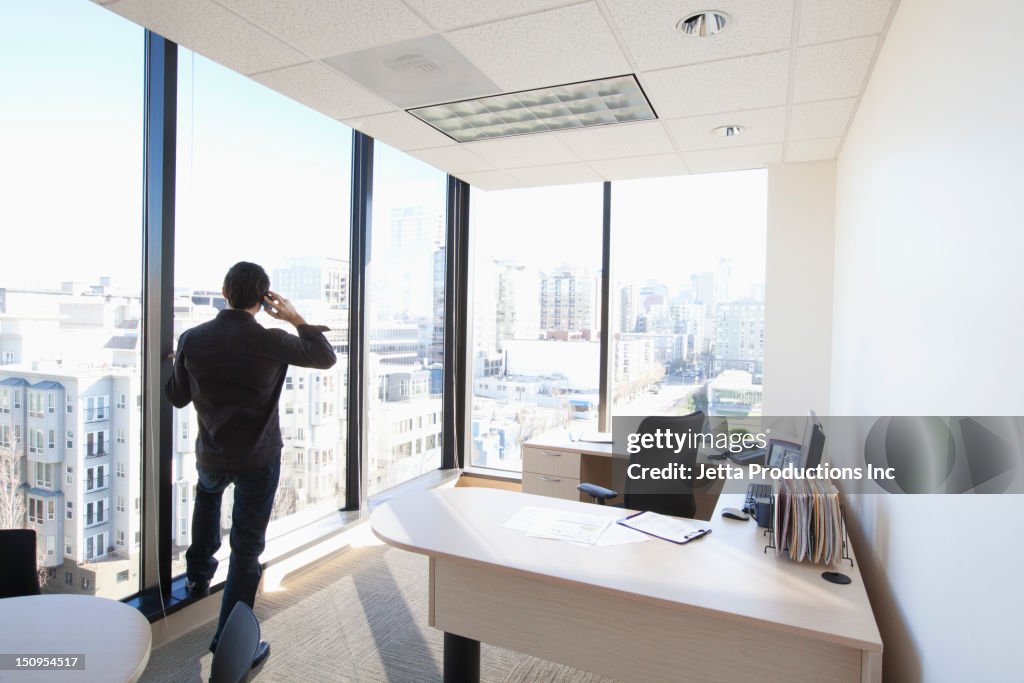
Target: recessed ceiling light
576	105
703	24
727	131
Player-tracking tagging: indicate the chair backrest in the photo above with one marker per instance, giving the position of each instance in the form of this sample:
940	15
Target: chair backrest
18	575
236	647
680	501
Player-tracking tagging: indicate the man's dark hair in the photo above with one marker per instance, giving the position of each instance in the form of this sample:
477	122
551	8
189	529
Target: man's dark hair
245	285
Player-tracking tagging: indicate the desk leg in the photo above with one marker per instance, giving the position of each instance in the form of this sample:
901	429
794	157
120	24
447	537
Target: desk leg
461	659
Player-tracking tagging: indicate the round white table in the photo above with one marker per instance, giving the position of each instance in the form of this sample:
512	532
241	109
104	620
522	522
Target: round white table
114	638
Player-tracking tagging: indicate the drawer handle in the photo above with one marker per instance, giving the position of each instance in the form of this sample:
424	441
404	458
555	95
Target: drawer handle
559	455
549	478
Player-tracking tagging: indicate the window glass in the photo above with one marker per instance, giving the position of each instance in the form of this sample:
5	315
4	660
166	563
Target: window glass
71	115
405	319
536	316
688	304
264	179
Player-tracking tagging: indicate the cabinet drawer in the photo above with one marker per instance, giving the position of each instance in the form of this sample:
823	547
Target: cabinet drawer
551	485
544	461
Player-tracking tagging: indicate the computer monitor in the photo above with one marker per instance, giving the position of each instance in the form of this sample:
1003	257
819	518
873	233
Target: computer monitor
813	444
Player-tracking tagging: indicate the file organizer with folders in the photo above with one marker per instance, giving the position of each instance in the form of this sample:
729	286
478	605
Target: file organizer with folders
806	522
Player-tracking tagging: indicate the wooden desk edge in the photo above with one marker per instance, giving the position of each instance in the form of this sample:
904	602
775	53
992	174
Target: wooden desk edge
867	646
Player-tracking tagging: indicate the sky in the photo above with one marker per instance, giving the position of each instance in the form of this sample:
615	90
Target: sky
261	177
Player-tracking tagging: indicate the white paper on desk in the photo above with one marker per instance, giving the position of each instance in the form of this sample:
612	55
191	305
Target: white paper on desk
525	518
575	527
616	534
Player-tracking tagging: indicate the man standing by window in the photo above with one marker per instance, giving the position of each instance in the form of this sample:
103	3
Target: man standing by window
232	370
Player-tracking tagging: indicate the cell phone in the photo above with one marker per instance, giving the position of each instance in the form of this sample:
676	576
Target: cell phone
269	308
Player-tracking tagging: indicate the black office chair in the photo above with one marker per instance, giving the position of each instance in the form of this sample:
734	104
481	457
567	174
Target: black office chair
678	504
18	575
232	662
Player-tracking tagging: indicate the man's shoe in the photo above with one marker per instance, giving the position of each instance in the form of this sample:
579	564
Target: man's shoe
262	652
197	589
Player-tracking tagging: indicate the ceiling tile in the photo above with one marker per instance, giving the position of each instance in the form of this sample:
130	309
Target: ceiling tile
820	119
649	29
454	159
524	150
655	166
812	150
323	28
729	85
449	14
400	130
827	72
826	20
558	174
715	160
318	87
548	48
491	180
619	140
760	126
212	31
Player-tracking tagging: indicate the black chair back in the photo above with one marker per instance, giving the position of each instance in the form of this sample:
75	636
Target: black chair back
680	501
18	575
232	662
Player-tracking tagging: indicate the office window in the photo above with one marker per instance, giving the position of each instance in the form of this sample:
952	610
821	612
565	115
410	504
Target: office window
69	510
5	401
120	503
51	439
51	403
688	319
405	317
51	509
51	546
68	548
536	316
17	398
86	583
261	178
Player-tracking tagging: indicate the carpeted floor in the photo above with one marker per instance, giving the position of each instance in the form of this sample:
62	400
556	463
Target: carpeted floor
361	616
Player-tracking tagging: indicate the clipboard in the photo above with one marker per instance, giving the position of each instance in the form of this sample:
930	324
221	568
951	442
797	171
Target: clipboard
680	537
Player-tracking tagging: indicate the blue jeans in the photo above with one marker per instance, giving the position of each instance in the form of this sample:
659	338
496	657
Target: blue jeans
254	501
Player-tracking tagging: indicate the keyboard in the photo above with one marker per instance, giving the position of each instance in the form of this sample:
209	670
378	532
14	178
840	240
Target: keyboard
747	456
755	491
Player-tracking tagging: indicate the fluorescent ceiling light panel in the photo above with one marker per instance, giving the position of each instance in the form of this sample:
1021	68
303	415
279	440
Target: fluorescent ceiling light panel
564	107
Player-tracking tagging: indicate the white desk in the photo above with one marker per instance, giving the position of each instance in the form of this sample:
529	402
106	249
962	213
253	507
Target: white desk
717	609
114	638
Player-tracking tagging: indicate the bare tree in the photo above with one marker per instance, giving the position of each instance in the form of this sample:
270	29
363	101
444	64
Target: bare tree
12	499
284	502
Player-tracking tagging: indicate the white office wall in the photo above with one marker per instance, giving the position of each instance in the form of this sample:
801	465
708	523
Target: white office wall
928	319
798	288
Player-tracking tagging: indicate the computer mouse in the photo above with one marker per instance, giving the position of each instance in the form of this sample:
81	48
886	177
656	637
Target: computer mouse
734	513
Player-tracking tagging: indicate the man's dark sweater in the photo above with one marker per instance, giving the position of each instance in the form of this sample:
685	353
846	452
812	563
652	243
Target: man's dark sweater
232	369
